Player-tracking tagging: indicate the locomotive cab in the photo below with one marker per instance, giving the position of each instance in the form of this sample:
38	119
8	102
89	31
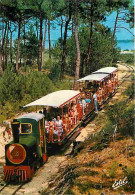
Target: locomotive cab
27	149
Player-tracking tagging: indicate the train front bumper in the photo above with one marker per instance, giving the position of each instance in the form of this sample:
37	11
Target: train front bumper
17	173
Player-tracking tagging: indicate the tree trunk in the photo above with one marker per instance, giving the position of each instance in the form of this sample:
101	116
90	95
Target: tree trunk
45	36
24	39
49	39
4	36
61	27
11	51
77	47
6	46
3	42
114	31
82	65
113	36
63	63
11	42
72	27
90	43
18	45
40	44
37	27
90	38
1	69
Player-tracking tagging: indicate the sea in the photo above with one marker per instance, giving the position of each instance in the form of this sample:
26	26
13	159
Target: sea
125	45
121	44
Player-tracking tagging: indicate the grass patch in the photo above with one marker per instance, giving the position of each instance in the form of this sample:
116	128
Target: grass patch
113	169
85	173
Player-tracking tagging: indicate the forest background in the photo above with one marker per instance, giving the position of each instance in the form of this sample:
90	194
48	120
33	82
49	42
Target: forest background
29	70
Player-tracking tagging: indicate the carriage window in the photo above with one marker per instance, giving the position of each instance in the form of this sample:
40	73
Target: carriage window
26	128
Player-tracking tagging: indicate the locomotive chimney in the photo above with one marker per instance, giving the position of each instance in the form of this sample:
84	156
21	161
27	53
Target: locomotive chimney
15	131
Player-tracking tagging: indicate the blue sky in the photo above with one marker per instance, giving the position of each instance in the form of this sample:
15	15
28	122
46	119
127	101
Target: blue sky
121	34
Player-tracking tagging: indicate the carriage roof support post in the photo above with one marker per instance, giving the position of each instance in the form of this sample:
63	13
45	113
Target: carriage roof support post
62	113
68	118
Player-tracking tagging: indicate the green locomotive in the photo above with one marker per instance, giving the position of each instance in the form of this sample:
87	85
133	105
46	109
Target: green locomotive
28	148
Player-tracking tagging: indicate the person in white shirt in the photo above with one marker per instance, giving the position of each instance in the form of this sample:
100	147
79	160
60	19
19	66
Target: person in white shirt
59	125
84	105
95	102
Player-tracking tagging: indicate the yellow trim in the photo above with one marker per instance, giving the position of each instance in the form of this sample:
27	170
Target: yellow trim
15	122
44	134
24	150
25	124
40	136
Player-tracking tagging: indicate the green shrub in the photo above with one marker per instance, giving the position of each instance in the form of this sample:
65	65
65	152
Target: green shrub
55	72
127	58
129	172
130	90
113	169
122	116
16	90
49	64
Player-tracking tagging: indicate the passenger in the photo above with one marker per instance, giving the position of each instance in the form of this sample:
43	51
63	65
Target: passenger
59	125
51	123
95	102
74	109
46	126
109	85
87	99
116	80
44	111
51	130
100	94
79	100
83	105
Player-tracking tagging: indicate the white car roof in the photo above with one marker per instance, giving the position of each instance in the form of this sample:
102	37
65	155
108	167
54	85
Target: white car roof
94	77
105	70
32	115
56	99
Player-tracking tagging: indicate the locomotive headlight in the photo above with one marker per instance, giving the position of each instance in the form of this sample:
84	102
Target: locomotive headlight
16	153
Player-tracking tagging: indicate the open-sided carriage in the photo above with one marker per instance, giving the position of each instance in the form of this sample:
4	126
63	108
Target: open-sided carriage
64	113
104	82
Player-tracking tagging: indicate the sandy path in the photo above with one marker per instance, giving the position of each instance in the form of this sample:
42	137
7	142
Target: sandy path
3	142
44	176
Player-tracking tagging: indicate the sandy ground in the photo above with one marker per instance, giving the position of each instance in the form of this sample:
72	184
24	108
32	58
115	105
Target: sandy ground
3	142
46	174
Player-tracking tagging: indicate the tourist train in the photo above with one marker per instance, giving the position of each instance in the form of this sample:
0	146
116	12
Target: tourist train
63	112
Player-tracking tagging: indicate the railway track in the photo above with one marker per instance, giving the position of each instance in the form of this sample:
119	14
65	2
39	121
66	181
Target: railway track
6	188
127	75
10	189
